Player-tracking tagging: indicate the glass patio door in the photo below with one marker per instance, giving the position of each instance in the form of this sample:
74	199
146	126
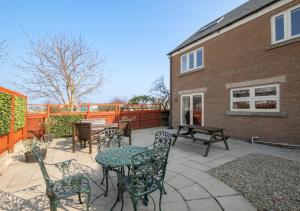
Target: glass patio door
192	109
197	110
186	110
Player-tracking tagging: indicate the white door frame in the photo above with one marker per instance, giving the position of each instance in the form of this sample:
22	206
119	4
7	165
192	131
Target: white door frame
191	106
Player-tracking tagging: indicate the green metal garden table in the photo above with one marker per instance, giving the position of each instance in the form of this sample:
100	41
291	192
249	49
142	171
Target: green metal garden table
117	158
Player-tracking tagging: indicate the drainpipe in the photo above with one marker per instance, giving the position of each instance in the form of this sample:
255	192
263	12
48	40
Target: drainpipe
171	97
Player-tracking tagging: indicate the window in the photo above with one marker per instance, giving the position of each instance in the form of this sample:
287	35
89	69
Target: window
192	60
286	25
255	99
295	22
184	63
279	28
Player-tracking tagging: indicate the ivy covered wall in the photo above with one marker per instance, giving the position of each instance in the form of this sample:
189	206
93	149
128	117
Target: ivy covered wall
19	113
61	125
5	113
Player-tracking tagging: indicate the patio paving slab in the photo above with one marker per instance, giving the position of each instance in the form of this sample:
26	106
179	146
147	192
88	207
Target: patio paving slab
189	187
204	205
193	192
180	182
235	203
217	188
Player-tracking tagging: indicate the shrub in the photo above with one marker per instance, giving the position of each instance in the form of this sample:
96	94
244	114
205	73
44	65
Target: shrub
29	144
19	113
61	125
5	113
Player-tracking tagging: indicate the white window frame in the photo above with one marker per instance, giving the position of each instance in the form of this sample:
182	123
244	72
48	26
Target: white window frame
287	25
252	98
194	52
191	106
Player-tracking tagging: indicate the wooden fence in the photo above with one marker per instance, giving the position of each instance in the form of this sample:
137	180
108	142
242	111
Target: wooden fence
142	116
8	141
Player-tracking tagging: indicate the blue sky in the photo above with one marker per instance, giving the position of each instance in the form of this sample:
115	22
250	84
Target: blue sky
133	35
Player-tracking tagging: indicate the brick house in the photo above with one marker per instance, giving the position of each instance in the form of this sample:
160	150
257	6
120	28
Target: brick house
242	72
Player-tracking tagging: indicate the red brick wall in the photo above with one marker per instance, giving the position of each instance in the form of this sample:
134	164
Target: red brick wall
243	54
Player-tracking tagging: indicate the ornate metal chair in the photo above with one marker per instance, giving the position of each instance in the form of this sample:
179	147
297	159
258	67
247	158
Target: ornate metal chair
68	186
109	138
147	174
164	139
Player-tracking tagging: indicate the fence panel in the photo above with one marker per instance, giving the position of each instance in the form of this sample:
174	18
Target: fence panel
8	141
135	116
142	116
35	125
150	118
3	143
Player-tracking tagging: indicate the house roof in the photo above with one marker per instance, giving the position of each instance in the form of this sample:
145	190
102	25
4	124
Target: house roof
231	17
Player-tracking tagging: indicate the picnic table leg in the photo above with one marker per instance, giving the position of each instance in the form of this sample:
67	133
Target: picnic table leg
73	138
225	141
192	135
90	146
130	138
178	131
174	141
212	137
207	149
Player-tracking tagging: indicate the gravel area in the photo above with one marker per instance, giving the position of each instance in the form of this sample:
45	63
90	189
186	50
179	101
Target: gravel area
268	182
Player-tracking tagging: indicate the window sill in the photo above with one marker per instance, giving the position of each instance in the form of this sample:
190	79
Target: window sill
192	71
283	43
263	114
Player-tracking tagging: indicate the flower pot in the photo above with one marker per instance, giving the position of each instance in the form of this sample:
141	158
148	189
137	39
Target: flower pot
30	158
48	137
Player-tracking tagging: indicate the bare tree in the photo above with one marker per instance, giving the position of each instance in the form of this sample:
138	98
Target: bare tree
3	52
160	92
61	69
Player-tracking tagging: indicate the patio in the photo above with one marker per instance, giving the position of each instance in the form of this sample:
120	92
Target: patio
188	185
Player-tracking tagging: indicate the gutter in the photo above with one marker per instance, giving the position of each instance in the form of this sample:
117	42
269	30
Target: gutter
171	97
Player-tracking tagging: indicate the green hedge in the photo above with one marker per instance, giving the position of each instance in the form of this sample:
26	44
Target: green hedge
19	115
61	125
5	113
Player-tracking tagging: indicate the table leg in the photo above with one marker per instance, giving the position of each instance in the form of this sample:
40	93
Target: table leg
73	138
120	191
106	180
225	141
209	144
178	132
192	135
90	146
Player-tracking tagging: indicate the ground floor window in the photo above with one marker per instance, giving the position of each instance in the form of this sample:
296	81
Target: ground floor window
192	109
256	99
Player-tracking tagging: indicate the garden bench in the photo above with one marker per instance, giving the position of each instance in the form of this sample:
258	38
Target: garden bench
216	135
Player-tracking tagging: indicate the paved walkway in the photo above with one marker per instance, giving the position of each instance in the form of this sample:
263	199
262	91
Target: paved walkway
188	185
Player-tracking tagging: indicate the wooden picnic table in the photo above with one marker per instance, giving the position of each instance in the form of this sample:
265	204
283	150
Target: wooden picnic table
89	132
97	128
216	135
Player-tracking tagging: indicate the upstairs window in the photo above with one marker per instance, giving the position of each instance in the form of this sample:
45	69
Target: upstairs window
255	99
192	60
286	25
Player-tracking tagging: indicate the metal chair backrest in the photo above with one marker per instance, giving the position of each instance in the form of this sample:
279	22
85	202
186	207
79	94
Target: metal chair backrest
162	139
147	169
38	156
84	130
110	138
